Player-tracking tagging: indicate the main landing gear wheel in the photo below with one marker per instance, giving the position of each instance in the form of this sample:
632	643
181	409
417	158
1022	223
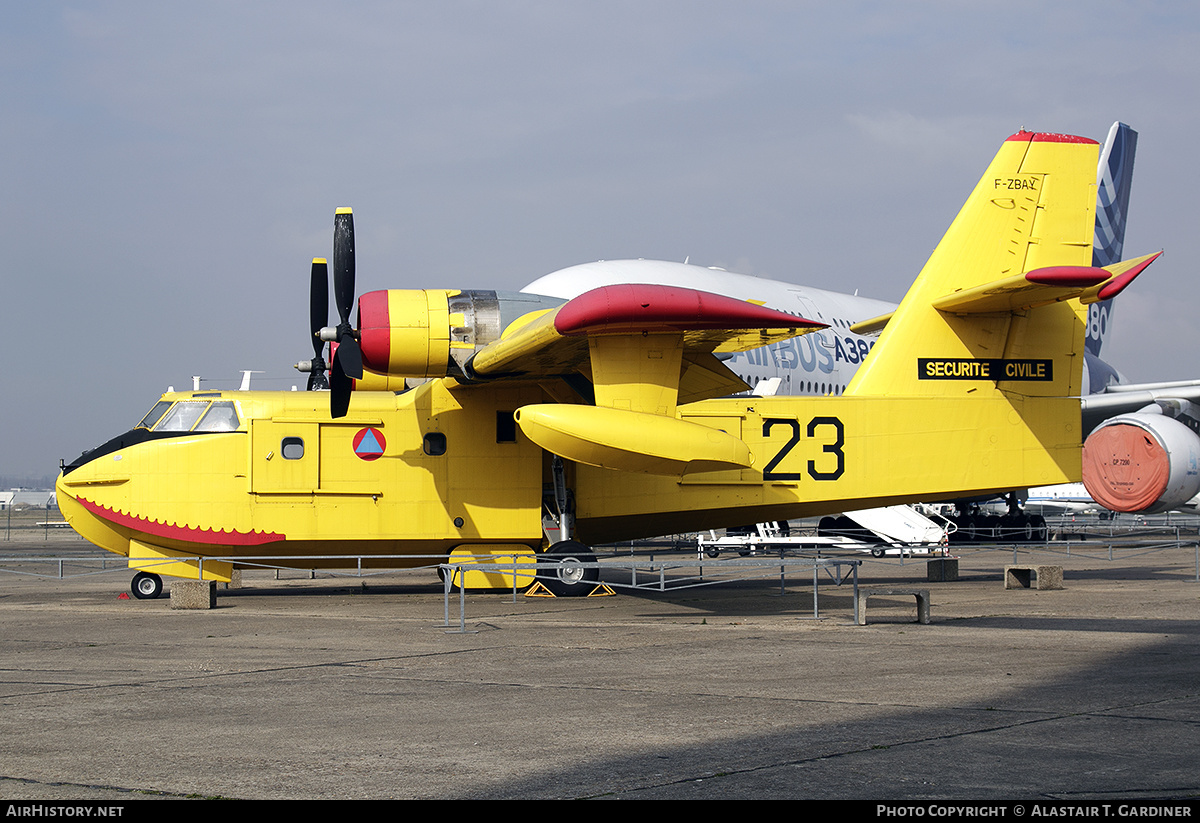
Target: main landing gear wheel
146	586
568	578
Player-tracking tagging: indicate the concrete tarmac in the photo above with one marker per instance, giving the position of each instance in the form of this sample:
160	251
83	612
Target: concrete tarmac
330	688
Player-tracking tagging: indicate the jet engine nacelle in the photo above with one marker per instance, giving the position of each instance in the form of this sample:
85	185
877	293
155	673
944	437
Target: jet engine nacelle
1142	463
434	332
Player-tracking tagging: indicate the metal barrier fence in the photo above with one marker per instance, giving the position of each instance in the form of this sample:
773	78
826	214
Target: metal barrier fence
664	575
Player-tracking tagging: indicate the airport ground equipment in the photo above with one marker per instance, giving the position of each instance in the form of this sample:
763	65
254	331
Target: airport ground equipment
772	537
886	530
903	525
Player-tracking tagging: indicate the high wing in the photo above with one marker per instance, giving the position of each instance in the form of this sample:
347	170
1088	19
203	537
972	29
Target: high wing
700	322
1132	397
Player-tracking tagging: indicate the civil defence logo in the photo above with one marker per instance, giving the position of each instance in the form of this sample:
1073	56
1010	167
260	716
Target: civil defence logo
369	443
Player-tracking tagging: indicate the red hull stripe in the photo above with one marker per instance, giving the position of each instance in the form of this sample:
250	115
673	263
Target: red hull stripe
638	307
189	534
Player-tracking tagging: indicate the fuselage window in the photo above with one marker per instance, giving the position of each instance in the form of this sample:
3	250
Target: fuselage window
435	444
292	448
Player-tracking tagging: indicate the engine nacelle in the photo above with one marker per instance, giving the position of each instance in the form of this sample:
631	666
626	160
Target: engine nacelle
405	332
434	332
1142	463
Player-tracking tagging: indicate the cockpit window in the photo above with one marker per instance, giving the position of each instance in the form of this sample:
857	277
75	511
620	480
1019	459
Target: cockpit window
221	417
154	415
182	416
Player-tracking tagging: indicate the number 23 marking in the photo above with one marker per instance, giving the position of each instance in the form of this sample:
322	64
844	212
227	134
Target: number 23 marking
834	448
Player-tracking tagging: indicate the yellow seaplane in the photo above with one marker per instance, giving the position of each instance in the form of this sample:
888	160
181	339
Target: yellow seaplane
456	420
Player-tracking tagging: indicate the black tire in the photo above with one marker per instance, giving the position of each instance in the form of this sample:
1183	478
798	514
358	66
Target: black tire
568	578
146	586
1027	532
877	551
1041	532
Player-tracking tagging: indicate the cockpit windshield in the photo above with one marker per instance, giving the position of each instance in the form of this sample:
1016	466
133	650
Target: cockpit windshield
182	416
192	415
154	415
220	417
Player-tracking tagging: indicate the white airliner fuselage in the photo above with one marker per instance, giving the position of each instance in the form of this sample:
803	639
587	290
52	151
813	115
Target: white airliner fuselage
820	362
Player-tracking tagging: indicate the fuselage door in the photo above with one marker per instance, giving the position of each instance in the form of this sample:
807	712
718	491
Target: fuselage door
284	457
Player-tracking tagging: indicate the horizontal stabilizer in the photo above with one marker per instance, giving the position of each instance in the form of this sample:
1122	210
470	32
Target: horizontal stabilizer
1040	287
871	325
1123	275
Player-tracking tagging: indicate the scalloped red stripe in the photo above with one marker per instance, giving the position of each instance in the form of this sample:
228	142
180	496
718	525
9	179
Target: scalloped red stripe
189	533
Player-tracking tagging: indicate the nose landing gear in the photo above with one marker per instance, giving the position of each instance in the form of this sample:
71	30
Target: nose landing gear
146	586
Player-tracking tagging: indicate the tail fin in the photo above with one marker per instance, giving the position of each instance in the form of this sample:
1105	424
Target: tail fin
1032	210
1114	179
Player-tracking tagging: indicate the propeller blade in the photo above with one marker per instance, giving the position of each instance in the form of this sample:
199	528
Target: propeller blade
318	302
340	387
350	356
347	358
343	263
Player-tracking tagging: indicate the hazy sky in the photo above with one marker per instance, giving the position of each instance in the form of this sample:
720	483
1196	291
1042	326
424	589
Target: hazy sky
171	169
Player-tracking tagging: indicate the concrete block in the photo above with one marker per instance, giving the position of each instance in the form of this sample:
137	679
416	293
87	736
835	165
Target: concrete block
1021	577
922	595
193	594
942	570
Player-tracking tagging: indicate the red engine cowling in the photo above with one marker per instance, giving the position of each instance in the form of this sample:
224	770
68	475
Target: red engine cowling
1142	463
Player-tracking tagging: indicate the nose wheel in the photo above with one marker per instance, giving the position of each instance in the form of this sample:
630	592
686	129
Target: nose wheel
146	586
